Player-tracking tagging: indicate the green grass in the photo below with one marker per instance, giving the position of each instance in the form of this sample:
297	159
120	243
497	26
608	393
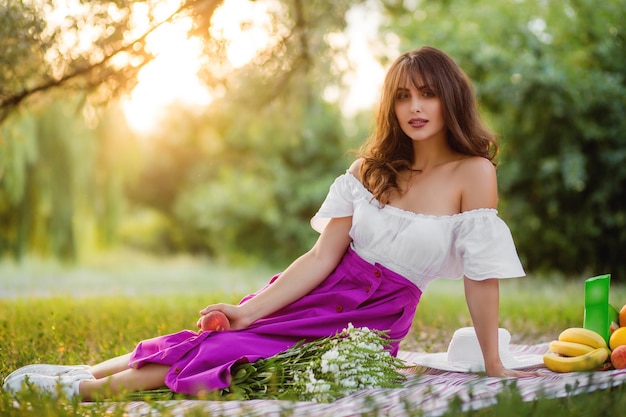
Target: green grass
51	313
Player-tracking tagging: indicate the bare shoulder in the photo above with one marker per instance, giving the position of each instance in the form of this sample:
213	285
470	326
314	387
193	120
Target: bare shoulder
479	188
477	168
355	168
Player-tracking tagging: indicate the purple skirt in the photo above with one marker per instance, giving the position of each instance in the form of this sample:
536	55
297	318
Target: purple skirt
355	292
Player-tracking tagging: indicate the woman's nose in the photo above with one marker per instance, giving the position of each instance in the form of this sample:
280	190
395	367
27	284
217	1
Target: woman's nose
416	105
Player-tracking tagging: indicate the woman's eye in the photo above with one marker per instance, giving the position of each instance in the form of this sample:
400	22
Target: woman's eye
428	94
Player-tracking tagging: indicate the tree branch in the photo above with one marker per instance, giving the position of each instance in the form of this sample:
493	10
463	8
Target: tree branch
14	100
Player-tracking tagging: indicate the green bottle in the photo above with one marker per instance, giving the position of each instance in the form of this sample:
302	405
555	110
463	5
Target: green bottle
599	314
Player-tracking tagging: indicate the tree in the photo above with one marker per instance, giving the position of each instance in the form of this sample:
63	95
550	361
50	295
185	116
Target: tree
55	69
242	178
267	121
94	49
62	184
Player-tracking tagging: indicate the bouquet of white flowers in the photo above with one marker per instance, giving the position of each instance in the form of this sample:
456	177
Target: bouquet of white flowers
323	370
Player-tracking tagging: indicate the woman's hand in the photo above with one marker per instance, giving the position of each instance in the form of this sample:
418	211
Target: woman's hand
502	372
233	312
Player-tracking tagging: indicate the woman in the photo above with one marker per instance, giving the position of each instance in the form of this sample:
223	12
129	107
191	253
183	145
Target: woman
419	204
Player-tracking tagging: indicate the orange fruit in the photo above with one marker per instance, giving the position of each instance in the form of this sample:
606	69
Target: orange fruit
618	338
622	316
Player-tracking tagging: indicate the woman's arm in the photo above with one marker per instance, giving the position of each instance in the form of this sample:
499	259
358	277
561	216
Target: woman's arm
479	190
483	304
302	276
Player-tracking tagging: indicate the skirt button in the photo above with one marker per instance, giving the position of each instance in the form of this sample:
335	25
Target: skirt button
339	308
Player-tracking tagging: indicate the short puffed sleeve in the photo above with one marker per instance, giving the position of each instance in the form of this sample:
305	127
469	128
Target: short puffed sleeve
486	249
338	203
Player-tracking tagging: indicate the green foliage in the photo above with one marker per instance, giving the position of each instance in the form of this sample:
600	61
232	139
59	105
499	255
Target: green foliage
21	33
229	182
59	189
274	172
61	180
243	184
510	402
242	179
551	78
44	48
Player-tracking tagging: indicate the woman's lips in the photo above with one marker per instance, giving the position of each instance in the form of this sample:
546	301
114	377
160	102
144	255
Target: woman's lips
418	122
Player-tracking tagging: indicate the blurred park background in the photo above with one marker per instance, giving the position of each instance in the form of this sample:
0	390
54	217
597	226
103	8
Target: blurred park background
193	133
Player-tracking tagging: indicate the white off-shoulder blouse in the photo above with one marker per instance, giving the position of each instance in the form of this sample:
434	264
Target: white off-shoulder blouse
476	243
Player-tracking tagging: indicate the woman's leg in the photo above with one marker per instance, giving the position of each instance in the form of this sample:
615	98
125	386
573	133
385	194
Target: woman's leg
110	366
149	376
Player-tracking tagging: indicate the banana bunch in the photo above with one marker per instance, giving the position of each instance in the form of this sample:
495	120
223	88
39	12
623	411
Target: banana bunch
577	350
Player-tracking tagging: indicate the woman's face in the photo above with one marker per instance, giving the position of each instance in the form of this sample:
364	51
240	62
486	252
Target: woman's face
419	112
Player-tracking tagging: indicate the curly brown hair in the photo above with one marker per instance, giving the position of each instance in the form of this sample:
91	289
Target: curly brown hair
389	150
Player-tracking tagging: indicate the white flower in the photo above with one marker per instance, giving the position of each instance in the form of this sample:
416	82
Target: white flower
329	368
349	383
331	354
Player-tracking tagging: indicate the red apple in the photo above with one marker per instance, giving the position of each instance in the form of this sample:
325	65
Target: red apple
618	357
215	320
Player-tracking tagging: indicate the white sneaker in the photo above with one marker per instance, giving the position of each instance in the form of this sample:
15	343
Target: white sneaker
66	385
47	369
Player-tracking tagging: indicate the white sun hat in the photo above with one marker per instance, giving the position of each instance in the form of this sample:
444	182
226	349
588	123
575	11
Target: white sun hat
464	354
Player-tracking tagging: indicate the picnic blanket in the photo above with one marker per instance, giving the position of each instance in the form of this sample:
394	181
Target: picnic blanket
425	389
